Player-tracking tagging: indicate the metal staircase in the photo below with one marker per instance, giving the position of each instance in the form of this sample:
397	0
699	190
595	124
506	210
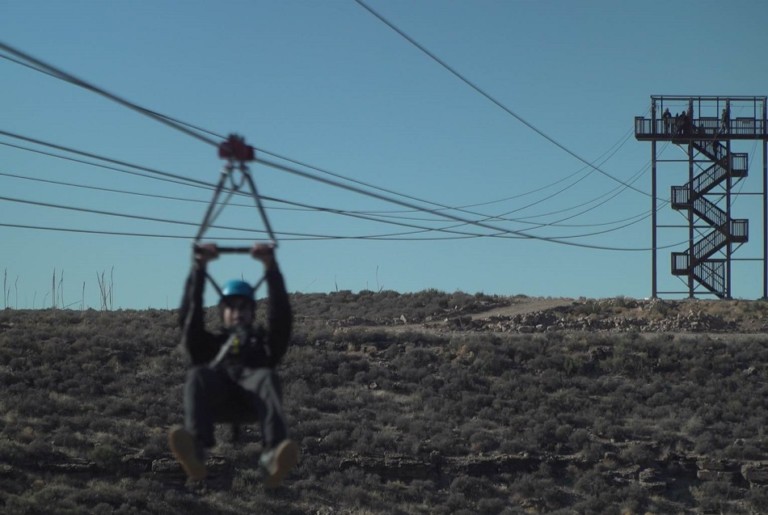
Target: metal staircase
710	129
698	262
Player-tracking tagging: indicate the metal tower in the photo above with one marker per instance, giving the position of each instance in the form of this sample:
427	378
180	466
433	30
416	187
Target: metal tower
705	128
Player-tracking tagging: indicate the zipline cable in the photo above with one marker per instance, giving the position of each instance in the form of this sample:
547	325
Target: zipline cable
296	206
492	99
203	184
243	229
179	222
501	233
177	179
185	127
95	156
229	238
498	230
51	70
171	123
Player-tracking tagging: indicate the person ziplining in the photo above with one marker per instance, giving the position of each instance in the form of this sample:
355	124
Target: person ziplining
232	376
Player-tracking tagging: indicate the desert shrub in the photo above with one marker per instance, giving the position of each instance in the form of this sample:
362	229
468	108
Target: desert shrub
744	450
297	391
578	438
550	380
757	499
717	496
563	432
105	455
102	386
457	502
334	440
491	363
483	442
638	453
706	443
349	369
531	486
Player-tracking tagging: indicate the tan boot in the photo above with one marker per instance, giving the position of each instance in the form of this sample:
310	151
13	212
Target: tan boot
188	453
280	460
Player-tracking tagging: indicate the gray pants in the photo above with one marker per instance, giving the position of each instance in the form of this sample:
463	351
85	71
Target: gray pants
213	395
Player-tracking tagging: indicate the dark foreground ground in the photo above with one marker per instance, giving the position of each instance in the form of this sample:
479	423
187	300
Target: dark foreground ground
418	403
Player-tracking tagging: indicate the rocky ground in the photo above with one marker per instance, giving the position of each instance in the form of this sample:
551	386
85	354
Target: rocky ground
532	315
667	476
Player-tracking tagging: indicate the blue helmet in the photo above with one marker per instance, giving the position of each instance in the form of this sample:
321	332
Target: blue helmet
236	287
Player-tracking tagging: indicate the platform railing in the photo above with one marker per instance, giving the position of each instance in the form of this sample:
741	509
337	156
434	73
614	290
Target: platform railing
705	126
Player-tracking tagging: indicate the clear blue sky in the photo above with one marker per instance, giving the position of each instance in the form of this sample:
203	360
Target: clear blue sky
328	84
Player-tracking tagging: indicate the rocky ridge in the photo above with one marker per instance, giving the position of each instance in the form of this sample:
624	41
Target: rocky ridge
607	315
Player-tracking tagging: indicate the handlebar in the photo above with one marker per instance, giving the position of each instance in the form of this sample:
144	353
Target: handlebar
234	250
231	250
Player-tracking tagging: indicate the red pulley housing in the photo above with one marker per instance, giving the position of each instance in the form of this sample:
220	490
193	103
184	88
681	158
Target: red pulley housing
236	149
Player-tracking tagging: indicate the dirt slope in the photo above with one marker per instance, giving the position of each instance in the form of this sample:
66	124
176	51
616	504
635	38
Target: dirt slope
525	305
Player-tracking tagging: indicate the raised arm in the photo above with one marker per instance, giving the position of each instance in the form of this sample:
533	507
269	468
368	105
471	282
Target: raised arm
279	312
196	341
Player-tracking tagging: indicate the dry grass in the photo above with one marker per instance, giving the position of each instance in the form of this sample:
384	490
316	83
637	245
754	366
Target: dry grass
412	421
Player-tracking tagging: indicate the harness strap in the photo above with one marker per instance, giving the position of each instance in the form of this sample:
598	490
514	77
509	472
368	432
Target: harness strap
224	350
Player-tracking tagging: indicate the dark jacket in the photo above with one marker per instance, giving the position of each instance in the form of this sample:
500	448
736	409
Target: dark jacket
264	347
